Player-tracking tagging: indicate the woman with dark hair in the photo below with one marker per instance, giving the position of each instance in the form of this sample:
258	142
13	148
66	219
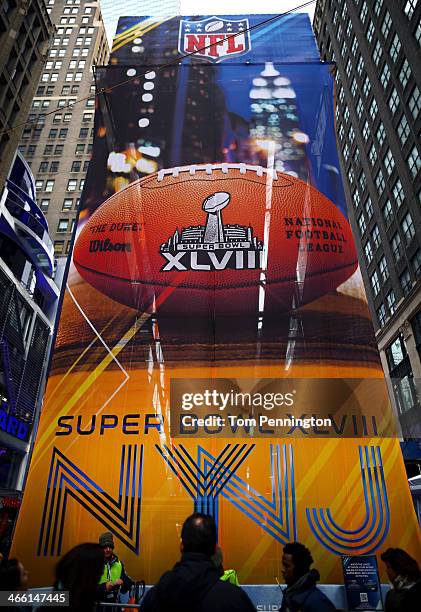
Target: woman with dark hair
13	576
405	575
78	572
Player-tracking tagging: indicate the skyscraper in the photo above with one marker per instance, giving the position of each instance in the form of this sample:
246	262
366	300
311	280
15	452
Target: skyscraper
57	145
376	47
25	29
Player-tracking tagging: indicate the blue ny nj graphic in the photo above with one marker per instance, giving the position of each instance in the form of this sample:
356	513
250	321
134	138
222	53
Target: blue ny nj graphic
120	514
209	478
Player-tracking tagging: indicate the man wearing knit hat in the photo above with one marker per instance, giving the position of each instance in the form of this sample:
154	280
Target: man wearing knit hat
114	578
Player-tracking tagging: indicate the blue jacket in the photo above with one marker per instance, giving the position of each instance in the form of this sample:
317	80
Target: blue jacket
304	596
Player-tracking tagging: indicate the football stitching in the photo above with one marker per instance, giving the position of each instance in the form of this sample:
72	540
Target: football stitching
209	168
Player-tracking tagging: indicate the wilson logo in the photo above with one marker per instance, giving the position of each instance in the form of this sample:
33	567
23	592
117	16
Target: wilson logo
102	246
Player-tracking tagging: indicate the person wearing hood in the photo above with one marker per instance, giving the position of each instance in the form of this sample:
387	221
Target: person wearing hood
193	584
301	593
114	578
405	575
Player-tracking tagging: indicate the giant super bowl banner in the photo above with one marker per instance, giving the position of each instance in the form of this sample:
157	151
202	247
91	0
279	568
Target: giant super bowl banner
215	350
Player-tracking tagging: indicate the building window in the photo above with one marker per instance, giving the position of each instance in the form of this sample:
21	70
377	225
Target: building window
86	165
48	149
67	204
393	101
405	74
360	109
78	76
345	152
381	134
398	193
410	7
366	131
395	48
396	247
366	87
83	132
406	282
362	182
389	162
374	279
403	129
80	149
87	117
368	252
377	53
63	133
385	76
363	12
62	225
414	161
379	180
369	207
39	185
44	204
362	224
76	165
372	155
54	166
58	247
58	149
416	264
388	212
81	184
384	272
49	185
370	32
386	24
57	117
354	88
360	65
375	236
408	228
381	315
414	102
391	301
72	185
67	117
373	110
356	198
31	150
43	167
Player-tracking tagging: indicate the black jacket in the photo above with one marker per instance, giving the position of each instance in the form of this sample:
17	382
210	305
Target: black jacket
194	585
404	600
304	596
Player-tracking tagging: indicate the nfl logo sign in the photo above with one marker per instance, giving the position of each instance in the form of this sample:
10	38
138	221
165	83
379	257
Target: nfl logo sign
213	39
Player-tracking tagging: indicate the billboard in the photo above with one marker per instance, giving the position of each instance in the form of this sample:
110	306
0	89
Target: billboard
215	350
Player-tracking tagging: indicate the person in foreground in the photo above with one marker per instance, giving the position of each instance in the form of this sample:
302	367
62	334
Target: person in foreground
193	584
78	572
301	594
114	578
405	575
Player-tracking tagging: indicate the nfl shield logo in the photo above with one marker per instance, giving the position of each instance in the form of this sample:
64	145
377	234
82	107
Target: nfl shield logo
213	39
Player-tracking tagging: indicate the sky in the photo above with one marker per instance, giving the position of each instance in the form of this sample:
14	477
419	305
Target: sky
199	7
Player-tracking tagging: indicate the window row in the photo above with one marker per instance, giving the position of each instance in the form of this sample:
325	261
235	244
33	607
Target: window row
68	204
48	185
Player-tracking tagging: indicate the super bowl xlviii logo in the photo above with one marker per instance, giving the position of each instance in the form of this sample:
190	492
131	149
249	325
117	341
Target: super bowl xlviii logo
213	246
214	39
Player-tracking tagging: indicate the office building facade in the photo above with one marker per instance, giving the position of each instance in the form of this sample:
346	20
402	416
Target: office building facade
376	48
25	30
58	140
28	305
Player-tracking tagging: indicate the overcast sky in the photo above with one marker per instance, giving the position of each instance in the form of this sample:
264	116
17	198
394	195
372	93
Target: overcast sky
200	7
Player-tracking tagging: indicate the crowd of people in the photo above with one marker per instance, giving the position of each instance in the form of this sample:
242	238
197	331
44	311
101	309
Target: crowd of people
92	573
